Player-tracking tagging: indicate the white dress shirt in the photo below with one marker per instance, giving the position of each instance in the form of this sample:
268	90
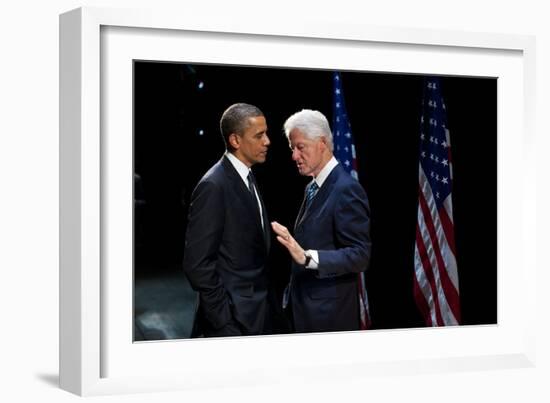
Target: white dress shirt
243	172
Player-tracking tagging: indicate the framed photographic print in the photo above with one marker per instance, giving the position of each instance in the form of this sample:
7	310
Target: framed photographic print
141	98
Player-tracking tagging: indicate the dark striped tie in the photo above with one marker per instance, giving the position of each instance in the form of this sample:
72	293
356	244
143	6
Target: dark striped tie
253	189
251	186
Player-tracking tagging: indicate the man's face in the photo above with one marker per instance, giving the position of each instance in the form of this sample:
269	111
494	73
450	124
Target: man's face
307	153
253	143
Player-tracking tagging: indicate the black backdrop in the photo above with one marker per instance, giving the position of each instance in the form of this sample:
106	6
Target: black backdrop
177	108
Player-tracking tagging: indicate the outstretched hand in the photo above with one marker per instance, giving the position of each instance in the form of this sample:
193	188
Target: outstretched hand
293	247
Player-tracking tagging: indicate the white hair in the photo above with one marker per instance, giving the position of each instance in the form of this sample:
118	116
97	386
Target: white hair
313	124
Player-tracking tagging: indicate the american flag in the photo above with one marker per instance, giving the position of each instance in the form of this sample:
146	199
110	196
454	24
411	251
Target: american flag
344	151
436	276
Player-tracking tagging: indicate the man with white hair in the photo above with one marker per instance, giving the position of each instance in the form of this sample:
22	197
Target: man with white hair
331	241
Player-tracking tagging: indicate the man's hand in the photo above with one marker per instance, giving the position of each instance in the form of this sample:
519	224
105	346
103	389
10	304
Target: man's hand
284	237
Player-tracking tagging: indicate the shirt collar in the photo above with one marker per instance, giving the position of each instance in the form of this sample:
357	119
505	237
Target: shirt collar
240	166
325	172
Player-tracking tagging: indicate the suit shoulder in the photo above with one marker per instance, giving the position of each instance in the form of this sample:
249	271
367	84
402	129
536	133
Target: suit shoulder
346	185
211	181
344	179
214	175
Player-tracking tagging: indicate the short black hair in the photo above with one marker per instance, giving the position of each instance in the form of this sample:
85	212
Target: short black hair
235	120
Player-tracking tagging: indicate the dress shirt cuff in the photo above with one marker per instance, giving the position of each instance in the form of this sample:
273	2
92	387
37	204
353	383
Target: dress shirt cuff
314	262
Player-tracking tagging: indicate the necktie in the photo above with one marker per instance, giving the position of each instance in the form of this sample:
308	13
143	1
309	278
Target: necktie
310	192
252	188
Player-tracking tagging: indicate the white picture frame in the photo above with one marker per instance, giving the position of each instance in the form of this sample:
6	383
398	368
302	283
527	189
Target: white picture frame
97	356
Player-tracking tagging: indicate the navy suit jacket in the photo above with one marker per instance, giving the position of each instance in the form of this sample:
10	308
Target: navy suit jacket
337	225
226	251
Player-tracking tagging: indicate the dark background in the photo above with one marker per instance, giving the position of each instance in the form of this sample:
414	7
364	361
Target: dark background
177	138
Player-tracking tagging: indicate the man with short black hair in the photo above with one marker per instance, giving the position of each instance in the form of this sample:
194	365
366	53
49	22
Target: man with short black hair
228	235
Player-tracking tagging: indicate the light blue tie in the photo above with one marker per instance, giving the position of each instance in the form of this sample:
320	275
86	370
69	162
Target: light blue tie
310	192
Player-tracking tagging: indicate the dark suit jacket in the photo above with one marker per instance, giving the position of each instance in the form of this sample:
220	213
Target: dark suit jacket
337	225
225	253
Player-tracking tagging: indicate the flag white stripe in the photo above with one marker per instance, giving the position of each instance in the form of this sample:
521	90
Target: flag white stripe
444	308
447	255
446	251
448	204
423	284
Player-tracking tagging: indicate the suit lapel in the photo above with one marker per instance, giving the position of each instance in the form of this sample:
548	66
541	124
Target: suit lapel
266	229
300	215
243	192
322	195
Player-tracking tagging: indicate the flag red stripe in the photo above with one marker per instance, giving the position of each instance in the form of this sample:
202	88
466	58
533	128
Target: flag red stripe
421	303
428	271
449	290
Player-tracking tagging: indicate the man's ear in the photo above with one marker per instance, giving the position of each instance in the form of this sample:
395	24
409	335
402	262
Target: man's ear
235	141
323	140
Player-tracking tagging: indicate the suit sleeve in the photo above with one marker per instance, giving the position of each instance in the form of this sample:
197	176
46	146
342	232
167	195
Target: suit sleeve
202	243
352	235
